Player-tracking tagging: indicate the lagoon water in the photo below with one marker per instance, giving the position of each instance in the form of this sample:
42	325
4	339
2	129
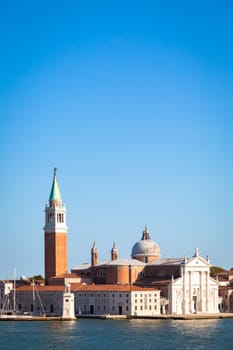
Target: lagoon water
117	334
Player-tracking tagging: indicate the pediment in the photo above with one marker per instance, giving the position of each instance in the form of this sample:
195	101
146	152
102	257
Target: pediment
197	261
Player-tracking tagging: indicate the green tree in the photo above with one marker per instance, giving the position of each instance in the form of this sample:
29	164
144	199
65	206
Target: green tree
37	278
214	270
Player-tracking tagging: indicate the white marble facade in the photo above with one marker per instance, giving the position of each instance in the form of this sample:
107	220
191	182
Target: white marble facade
195	291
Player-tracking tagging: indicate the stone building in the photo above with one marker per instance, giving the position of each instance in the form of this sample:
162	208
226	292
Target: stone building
225	281
144	284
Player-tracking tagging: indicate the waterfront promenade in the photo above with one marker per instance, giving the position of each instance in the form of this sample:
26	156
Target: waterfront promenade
197	316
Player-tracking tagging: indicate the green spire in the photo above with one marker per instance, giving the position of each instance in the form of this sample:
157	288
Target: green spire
55	194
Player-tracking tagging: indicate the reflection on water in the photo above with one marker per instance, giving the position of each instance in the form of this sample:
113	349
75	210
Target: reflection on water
124	334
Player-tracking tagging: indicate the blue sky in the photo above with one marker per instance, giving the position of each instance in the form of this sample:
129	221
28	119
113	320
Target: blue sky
132	102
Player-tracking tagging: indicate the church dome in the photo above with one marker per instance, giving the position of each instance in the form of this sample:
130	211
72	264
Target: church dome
145	250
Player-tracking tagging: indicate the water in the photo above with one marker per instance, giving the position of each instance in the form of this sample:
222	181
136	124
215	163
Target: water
117	334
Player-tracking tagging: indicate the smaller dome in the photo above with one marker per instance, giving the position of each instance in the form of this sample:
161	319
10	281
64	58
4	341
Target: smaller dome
145	249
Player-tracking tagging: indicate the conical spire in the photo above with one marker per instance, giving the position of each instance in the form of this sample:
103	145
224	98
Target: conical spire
55	195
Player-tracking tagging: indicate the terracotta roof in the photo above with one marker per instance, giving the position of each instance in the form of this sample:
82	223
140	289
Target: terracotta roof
65	275
86	287
112	287
29	288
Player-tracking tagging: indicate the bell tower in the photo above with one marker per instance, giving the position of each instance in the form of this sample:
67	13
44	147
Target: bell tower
114	252
94	255
55	233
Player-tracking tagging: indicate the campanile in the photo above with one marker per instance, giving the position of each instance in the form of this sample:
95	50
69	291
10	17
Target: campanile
55	233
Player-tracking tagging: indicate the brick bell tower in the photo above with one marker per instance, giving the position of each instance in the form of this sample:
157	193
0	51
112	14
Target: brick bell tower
55	234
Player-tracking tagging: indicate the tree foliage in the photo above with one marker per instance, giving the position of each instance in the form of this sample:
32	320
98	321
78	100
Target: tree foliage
36	278
214	270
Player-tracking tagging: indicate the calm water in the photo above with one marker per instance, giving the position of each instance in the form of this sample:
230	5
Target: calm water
121	334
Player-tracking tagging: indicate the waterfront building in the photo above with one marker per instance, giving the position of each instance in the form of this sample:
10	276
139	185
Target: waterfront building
144	284
79	298
185	284
114	299
225	281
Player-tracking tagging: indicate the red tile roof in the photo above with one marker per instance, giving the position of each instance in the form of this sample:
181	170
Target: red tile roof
87	287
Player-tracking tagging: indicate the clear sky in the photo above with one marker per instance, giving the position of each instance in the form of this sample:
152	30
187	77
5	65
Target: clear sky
132	101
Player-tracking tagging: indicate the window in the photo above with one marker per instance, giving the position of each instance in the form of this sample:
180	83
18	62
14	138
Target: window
120	295
127	308
135	308
113	308
59	217
155	307
113	295
149	307
141	308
